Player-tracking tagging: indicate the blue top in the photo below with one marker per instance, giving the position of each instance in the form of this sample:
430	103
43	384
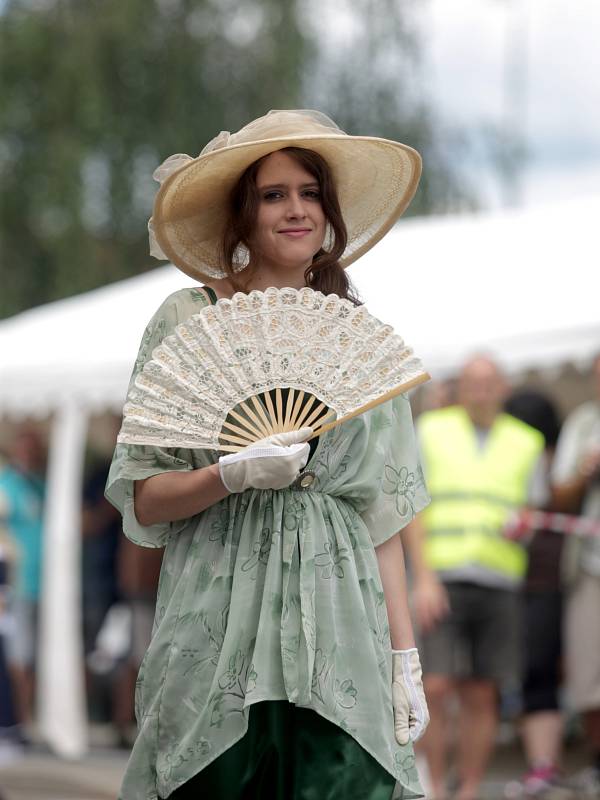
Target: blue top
21	509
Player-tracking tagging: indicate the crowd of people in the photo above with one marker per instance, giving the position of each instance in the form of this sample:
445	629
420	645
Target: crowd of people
118	589
21	539
498	617
502	617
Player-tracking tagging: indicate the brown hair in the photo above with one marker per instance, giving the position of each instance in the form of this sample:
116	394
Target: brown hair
325	274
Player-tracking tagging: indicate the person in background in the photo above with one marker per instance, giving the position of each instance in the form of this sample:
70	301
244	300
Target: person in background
437	394
101	534
480	465
542	722
101	529
120	576
576	490
9	746
138	572
21	507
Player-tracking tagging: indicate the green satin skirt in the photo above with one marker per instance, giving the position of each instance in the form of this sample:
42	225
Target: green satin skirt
290	753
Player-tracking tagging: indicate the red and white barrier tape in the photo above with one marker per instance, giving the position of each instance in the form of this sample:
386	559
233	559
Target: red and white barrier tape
527	521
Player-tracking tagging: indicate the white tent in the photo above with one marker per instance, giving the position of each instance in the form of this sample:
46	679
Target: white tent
524	285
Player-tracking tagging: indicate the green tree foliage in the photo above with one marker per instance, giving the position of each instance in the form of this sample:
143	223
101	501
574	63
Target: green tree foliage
95	93
372	81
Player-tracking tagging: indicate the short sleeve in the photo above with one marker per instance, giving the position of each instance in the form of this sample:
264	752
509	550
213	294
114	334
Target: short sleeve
134	463
402	492
131	463
571	446
538	491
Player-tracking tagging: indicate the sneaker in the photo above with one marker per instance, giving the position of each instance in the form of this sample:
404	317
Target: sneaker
586	784
543	783
10	751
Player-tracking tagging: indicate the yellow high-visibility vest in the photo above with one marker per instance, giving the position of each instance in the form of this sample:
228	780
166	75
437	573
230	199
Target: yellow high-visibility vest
473	490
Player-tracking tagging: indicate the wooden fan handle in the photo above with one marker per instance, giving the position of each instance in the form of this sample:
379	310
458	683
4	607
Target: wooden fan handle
305	410
251	433
296	411
268	424
315	415
257	423
289	407
229	437
405	387
279	404
272	414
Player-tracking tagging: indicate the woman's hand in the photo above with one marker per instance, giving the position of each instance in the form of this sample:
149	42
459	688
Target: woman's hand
411	715
430	600
271	463
179	495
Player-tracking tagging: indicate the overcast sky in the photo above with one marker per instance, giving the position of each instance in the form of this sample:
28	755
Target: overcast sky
469	44
555	45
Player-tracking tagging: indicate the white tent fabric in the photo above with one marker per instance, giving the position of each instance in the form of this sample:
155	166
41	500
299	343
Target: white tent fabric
82	347
523	285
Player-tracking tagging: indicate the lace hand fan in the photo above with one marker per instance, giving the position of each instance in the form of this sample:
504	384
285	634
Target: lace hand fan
262	363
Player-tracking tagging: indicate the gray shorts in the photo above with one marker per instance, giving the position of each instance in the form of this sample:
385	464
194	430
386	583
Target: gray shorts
21	644
142	621
582	640
480	637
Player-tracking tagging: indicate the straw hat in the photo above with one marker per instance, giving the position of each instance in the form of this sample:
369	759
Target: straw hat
375	181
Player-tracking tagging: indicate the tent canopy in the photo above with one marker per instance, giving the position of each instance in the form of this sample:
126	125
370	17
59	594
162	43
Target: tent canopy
523	285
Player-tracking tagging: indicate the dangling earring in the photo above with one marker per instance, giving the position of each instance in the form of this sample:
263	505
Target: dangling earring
241	257
329	238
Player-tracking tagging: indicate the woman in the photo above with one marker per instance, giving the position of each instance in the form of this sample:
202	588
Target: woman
269	674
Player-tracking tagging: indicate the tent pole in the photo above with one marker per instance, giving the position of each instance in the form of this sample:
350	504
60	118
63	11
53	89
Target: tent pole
60	687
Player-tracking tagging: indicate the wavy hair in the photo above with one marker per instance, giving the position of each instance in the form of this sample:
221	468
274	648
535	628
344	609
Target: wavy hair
325	274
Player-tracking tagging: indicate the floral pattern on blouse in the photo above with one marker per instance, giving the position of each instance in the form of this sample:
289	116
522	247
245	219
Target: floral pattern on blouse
270	595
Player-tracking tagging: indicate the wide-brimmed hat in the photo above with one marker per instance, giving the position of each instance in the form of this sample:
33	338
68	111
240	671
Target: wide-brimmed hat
375	181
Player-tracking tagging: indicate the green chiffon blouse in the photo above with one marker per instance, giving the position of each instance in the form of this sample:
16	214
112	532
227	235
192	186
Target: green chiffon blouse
270	595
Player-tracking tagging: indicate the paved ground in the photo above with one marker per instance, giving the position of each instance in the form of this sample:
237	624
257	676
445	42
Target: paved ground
39	776
508	766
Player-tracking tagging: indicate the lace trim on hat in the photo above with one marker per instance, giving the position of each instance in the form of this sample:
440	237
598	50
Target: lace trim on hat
171	165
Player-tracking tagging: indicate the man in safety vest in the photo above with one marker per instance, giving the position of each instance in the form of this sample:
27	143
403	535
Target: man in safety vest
480	466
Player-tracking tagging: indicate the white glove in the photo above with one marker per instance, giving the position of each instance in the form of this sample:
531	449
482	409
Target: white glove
411	716
271	463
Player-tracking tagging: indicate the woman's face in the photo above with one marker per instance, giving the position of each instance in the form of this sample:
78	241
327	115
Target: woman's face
290	224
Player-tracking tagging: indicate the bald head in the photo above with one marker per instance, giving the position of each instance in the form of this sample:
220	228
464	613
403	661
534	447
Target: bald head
482	389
